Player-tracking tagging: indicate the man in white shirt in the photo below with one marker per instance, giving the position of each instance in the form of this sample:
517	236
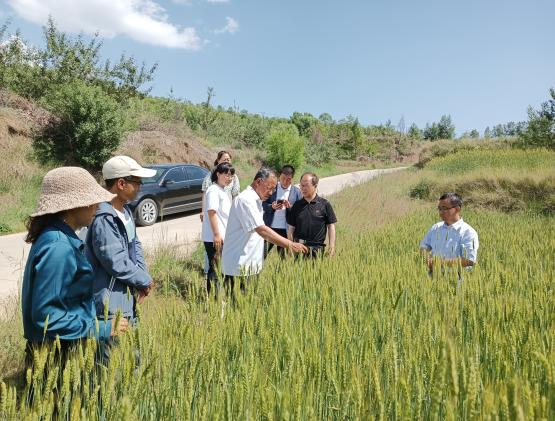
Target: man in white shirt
278	205
451	242
243	252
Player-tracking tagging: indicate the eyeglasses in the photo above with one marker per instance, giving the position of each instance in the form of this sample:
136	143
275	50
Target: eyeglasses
443	208
133	180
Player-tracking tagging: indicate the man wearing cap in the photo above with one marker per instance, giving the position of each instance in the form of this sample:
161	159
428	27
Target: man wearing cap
112	246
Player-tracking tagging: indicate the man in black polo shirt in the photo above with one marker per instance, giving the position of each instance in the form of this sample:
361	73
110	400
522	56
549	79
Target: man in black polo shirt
311	218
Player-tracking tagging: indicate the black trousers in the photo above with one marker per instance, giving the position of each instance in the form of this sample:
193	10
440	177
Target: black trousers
268	246
244	281
315	250
212	278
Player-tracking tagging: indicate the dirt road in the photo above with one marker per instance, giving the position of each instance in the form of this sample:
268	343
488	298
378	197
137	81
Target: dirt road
182	232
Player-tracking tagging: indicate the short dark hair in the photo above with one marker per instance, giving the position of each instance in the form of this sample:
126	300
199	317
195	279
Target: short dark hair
315	178
220	154
110	183
223	168
454	199
264	173
288	170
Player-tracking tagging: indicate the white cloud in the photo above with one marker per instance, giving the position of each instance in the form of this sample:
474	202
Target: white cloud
144	21
217	1
230	27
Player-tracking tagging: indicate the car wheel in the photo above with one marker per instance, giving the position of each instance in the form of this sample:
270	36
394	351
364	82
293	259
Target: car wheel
147	212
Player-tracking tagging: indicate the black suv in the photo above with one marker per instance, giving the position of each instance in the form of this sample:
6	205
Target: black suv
175	188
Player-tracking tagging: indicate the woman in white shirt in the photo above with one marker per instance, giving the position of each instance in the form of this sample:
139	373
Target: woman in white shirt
216	213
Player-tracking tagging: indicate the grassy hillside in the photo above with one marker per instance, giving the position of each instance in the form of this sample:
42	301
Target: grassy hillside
365	335
507	180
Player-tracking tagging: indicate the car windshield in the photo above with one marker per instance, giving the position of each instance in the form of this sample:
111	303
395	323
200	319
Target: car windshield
155	177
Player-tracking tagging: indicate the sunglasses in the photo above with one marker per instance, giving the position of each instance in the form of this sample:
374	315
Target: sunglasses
133	180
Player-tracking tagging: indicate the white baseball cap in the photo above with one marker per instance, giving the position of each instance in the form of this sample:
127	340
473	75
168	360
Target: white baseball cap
123	166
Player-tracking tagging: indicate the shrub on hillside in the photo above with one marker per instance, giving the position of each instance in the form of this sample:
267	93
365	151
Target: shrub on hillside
422	190
88	129
284	146
319	150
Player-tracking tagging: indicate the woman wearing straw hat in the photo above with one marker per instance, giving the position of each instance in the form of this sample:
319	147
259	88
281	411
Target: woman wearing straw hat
57	296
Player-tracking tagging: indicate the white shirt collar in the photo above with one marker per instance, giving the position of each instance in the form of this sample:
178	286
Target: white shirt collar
253	193
456	225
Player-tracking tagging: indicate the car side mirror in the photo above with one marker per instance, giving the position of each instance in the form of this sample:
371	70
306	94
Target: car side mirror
167	181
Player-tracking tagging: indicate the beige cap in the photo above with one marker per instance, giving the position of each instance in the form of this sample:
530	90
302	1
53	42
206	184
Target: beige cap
67	188
123	166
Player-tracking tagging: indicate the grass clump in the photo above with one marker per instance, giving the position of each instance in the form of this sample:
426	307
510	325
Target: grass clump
444	148
176	272
513	160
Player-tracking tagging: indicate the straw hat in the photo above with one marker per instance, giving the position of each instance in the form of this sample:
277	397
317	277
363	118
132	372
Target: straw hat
67	188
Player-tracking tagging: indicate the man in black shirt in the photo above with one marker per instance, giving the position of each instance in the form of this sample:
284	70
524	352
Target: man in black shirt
311	218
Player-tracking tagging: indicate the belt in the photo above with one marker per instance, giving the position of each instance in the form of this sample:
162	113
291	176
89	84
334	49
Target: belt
311	244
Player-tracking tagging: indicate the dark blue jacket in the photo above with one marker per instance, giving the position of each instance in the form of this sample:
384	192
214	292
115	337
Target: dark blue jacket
294	195
119	266
57	291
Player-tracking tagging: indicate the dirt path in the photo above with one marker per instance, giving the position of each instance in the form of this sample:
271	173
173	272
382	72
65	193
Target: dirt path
182	232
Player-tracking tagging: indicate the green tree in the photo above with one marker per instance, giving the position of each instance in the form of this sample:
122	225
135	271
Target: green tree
304	123
474	134
487	133
414	132
33	72
320	148
357	137
446	128
540	131
431	132
326	118
208	114
19	69
89	127
284	146
498	130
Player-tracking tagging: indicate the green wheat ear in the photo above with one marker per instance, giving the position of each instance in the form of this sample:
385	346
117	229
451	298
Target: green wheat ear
106	306
45	327
118	318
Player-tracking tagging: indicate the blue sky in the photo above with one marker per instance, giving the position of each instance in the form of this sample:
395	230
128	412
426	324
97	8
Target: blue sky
483	62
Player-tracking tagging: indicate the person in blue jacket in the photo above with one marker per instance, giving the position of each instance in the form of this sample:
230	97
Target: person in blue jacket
57	291
121	277
277	206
